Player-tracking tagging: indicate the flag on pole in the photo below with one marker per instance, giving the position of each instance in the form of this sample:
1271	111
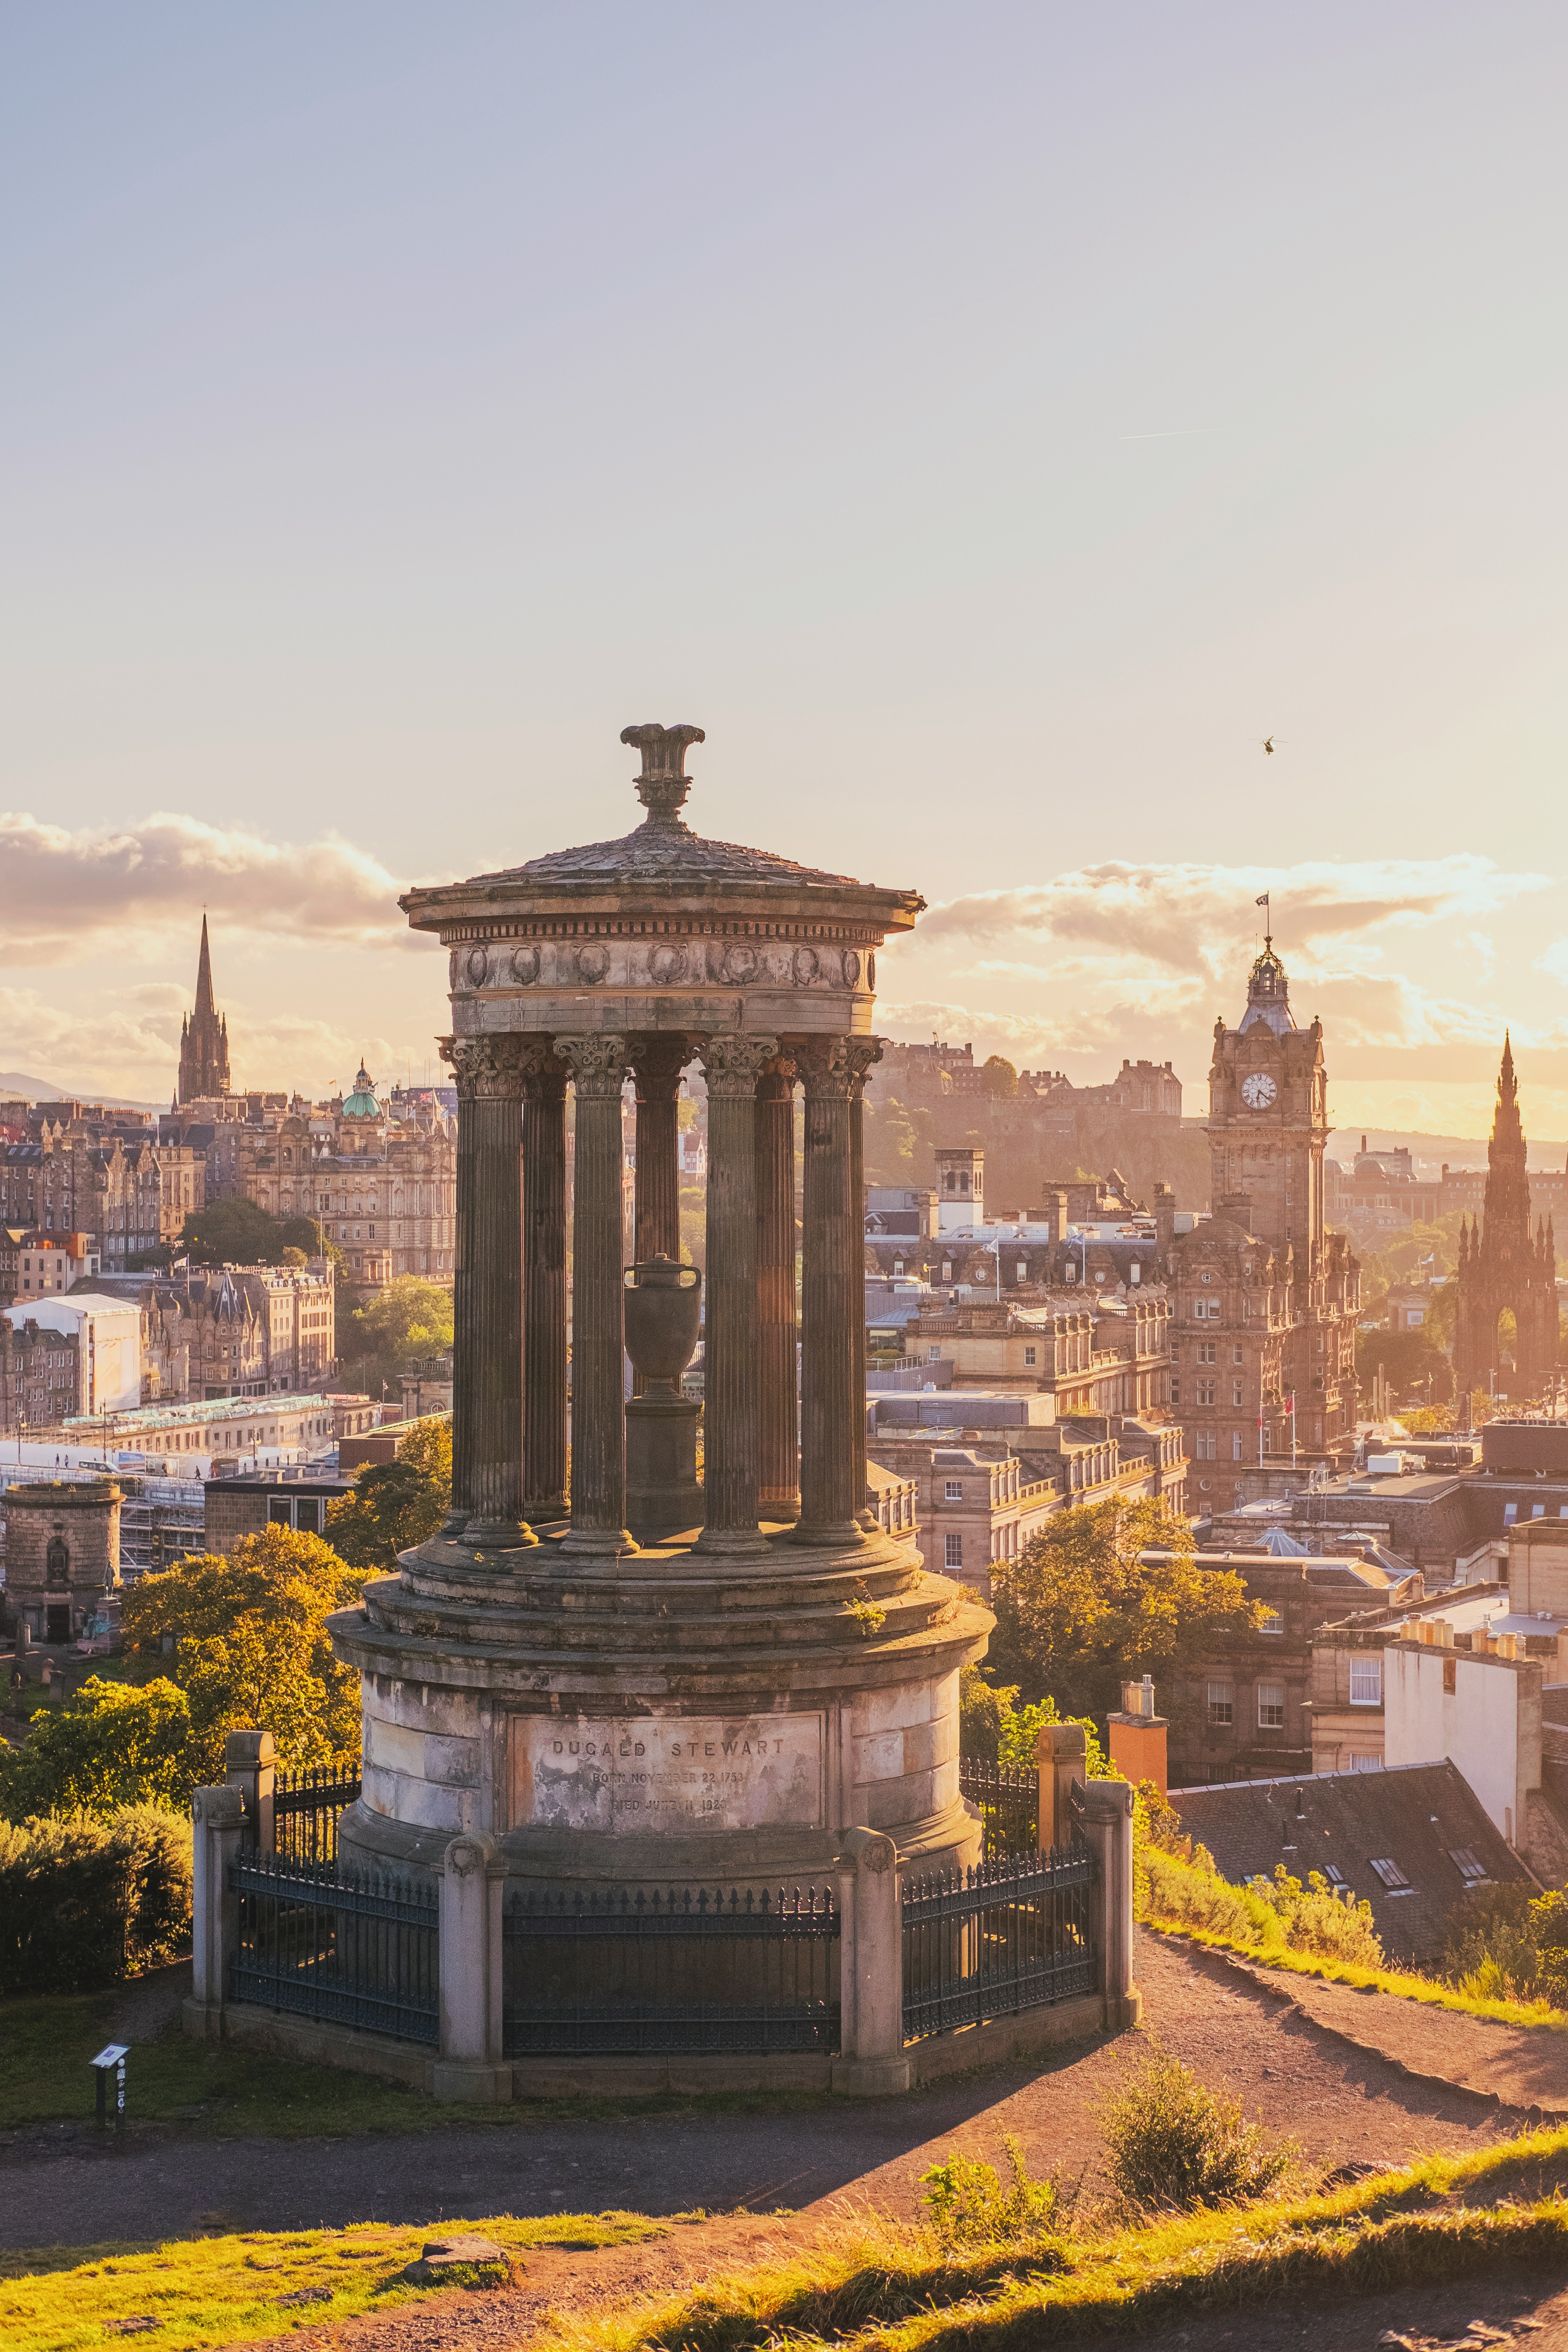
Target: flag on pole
1263	901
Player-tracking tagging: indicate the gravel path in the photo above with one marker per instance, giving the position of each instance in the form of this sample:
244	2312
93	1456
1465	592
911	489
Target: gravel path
64	2187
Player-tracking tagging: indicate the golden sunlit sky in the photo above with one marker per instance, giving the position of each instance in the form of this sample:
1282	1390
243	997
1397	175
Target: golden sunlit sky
990	425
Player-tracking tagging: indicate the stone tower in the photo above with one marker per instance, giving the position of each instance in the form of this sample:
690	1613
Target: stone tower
62	1554
1501	1266
1268	1125
203	1038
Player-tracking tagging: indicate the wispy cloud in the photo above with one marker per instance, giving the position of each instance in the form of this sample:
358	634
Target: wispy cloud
65	893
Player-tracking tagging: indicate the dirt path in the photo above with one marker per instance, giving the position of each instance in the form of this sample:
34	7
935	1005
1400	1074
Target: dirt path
64	2187
1522	2066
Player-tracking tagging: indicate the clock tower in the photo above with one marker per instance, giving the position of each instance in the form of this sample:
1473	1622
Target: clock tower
1268	1125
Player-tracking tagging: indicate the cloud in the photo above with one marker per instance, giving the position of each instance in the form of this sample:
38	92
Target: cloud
1553	962
1183	917
66	893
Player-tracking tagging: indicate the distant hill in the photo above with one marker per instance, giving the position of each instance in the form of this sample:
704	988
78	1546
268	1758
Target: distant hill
14	1085
1459	1150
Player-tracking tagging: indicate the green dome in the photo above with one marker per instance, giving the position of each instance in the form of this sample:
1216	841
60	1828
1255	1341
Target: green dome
362	1103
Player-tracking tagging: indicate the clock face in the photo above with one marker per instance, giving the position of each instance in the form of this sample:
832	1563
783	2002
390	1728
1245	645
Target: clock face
1259	1090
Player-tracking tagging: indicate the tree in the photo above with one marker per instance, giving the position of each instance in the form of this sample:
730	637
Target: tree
112	1746
245	1636
1081	1608
396	1504
234	1232
999	1078
405	1320
1409	1358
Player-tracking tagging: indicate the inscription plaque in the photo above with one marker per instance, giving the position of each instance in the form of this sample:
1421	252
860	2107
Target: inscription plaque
672	1772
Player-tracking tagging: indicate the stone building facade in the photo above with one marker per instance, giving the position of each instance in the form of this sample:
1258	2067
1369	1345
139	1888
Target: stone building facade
232	1331
132	1195
384	1189
40	1375
1504	1269
1109	1357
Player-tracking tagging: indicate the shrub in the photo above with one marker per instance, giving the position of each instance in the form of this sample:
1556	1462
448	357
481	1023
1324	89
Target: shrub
83	1902
969	2205
1492	1951
1187	1890
1171	2142
111	1747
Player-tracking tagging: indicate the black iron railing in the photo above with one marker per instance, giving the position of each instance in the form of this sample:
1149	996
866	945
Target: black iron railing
1010	1805
627	1972
1013	1934
305	1810
351	1953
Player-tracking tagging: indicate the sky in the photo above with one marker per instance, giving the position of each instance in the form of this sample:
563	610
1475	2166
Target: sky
990	424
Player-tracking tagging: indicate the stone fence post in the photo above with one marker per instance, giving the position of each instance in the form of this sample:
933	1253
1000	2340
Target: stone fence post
249	1765
469	1939
870	1967
1105	1810
217	1824
1060	1759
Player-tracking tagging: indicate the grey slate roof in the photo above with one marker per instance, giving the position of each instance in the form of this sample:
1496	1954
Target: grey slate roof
665	846
1415	1816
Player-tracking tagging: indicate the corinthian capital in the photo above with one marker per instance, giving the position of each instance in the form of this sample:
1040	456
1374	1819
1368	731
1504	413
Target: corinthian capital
826	1070
862	1053
599	1064
488	1069
733	1064
544	1074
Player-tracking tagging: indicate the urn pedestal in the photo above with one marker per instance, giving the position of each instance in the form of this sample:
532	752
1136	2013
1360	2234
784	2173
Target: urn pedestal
663	1308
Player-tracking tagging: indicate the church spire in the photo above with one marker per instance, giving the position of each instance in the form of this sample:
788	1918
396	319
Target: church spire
204	1038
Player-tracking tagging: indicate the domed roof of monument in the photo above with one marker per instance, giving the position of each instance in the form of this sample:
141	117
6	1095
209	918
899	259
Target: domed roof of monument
664	846
362	1103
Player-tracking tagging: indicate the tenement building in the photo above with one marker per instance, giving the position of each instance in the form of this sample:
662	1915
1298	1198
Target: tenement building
1503	1272
1263	1301
132	1195
232	1331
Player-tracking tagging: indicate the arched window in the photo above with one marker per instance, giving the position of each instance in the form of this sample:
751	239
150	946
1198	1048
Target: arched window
57	1566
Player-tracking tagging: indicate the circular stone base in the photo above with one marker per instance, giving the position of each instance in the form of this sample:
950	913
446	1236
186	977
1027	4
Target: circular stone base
664	1718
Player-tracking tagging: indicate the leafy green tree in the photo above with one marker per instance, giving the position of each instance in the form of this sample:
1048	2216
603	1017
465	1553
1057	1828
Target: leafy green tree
1082	1609
396	1504
1409	1358
409	1318
112	1746
999	1077
245	1636
994	1729
234	1232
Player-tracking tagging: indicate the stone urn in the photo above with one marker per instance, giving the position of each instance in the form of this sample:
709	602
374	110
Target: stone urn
664	1313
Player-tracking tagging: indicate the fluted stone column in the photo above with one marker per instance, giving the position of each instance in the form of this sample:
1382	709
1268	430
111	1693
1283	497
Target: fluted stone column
598	1066
778	1422
657	1064
863	1052
730	1362
543	1282
487	1303
833	1293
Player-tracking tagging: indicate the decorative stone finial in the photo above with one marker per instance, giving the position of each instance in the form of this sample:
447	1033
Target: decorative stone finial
663	784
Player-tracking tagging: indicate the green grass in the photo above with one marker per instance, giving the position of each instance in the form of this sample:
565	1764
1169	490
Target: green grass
227	2289
881	2286
1390	1981
222	2088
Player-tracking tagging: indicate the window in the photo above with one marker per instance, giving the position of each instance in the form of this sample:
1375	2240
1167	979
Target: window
897	1265
934	1355
1271	1706
1333	1873
1236	1446
1176	1390
1450	1675
1236	1356
1021	1271
1363	1759
1471	1871
1203	1352
947	1269
953	1490
953	1551
1205	1276
1204	1444
1206	1391
1509	1513
1391	1875
1272	1621
1366	1682
1235	1396
1221	1705
1028	1355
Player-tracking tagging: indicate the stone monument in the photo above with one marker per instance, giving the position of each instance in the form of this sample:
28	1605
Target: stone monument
62	1554
727	1701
